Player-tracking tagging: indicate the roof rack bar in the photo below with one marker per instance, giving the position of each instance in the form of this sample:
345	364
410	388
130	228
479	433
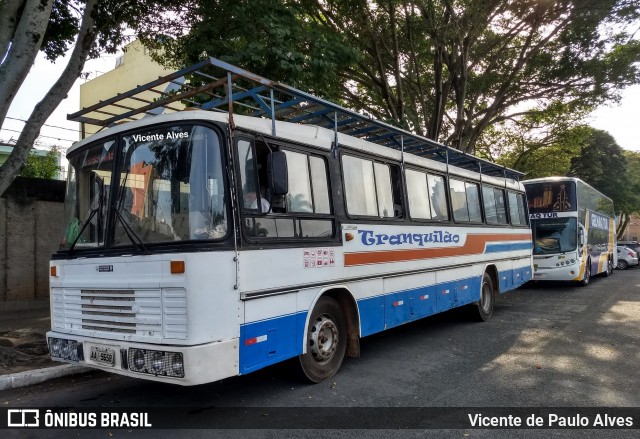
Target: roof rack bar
141	88
235	96
226	86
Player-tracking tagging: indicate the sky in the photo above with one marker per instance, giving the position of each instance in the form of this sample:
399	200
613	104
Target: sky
618	119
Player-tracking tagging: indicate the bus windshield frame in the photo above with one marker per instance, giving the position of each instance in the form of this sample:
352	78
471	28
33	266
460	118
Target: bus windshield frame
172	188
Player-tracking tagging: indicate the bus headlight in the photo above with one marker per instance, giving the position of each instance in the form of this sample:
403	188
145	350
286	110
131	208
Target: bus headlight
66	349
138	359
157	362
170	364
177	365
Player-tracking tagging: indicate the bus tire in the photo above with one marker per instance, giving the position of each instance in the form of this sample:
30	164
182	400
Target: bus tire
609	271
326	341
587	275
622	264
487	299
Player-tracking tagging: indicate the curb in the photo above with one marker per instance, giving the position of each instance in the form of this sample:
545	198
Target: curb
31	377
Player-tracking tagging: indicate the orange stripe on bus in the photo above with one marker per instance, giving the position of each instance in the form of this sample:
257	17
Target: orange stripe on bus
475	244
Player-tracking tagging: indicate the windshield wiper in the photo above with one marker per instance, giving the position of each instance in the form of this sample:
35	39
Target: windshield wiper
84	226
133	237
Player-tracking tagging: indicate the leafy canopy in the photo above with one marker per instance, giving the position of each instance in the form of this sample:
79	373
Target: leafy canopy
446	69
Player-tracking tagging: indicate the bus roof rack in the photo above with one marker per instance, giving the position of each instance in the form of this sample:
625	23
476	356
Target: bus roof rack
215	85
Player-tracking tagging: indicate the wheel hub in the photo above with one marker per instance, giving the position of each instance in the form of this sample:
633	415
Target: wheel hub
323	338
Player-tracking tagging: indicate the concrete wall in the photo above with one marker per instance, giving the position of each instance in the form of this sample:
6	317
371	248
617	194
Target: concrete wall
31	215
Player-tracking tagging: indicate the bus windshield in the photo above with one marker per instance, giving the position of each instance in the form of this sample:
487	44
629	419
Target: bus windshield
170	188
557	235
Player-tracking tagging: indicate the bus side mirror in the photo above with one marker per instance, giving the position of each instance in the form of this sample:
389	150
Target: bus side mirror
583	237
277	173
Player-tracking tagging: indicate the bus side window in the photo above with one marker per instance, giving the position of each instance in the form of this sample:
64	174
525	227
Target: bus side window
494	205
516	209
465	201
369	190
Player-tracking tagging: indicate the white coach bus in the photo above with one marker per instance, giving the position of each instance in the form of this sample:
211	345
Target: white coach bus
573	227
201	245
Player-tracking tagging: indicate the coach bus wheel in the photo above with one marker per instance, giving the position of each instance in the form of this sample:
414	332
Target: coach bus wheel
587	275
609	271
487	299
326	341
622	264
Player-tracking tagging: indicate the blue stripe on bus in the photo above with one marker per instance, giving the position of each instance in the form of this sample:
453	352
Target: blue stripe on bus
270	341
494	248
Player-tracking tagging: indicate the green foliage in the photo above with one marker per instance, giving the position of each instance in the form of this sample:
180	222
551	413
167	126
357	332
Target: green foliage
450	70
633	172
602	164
273	38
114	19
541	143
42	166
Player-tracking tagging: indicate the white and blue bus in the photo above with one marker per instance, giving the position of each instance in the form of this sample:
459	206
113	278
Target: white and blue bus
573	228
201	245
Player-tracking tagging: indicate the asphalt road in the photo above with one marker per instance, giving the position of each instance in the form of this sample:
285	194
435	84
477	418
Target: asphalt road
545	346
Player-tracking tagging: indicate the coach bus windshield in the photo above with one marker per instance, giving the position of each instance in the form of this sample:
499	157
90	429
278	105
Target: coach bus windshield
170	188
557	235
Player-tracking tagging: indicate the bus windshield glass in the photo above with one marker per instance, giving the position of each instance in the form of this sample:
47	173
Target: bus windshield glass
553	196
557	235
170	188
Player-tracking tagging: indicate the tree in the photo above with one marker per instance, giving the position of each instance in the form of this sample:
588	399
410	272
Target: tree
633	202
446	69
602	163
541	144
52	26
42	167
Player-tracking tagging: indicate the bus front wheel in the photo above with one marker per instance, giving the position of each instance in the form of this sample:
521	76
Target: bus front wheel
587	275
487	299
326	341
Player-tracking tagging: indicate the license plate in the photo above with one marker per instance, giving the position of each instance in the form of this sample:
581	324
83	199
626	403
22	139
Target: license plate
103	355
537	276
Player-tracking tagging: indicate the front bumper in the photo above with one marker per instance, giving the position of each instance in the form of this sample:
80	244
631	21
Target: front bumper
564	273
202	363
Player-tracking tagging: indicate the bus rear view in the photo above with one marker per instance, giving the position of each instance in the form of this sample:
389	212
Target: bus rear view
572	227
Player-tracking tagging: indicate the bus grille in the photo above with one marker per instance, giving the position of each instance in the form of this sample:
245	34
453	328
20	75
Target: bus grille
141	313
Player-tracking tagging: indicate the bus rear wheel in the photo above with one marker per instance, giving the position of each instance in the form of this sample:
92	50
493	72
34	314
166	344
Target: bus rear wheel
609	271
487	299
326	341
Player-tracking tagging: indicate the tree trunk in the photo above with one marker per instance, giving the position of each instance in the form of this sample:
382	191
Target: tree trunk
8	22
622	226
85	40
25	45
